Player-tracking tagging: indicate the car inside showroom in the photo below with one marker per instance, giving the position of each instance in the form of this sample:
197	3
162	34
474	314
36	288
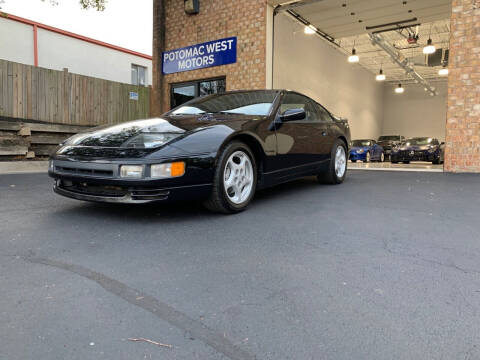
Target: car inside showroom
381	64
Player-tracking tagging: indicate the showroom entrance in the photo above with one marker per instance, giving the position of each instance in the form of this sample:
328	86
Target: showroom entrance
382	64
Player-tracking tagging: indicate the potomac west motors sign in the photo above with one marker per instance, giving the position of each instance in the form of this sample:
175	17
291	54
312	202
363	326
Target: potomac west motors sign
199	56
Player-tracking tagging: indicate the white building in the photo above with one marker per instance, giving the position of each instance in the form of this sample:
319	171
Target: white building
28	42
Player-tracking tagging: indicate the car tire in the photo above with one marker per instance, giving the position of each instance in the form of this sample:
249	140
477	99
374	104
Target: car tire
337	168
353	161
436	161
406	162
382	157
368	157
394	162
235	198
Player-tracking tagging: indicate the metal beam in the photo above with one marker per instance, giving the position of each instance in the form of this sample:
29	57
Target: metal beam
296	4
402	61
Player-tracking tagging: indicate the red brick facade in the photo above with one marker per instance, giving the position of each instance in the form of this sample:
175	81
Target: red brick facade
462	153
245	19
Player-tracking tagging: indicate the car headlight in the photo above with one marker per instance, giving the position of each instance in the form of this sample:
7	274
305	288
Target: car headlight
167	170
131	171
151	140
360	151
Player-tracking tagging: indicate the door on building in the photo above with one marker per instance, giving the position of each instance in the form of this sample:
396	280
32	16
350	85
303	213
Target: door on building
183	92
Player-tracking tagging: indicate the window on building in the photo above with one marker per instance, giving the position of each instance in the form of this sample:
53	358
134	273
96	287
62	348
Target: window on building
139	75
181	93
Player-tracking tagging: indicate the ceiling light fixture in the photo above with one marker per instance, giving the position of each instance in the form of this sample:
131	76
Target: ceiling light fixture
399	89
430	48
380	76
354	57
443	71
309	30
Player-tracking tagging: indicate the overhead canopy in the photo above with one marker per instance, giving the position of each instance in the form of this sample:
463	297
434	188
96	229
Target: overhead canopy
335	19
349	21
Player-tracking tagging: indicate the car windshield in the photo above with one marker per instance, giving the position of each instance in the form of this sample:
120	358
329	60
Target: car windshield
419	141
245	103
389	138
361	143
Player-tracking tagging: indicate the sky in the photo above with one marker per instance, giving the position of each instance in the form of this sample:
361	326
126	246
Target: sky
125	23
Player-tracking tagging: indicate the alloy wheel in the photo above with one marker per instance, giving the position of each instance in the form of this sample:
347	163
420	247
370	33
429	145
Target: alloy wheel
238	177
367	157
340	162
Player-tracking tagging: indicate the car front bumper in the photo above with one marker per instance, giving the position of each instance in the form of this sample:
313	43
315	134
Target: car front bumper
416	156
130	195
99	181
358	157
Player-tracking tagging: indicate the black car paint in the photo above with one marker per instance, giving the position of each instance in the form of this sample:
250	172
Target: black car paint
283	150
430	153
388	145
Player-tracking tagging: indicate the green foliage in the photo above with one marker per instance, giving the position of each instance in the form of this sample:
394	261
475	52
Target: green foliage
98	5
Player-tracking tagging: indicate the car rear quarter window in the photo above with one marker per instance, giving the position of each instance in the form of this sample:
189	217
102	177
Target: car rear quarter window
297	101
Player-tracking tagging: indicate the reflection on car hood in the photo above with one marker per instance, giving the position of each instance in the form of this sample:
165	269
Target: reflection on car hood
121	135
415	147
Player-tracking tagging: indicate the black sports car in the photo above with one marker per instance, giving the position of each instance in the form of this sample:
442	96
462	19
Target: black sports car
419	149
219	148
388	142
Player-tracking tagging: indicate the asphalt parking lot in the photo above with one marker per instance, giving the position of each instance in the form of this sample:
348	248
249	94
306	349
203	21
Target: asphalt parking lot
385	266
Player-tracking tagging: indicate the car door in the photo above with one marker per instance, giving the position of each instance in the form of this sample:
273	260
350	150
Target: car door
376	150
301	144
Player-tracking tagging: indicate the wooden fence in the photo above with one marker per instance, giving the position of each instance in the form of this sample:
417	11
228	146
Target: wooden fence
41	107
60	97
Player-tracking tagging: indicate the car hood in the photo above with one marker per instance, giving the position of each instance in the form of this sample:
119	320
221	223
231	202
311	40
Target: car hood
356	148
415	147
123	135
178	135
387	143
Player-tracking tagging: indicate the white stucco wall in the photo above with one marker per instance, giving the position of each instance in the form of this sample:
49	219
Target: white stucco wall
57	51
16	41
415	113
308	64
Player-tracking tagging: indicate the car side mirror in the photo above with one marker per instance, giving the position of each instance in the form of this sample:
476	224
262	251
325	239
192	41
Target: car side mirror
293	115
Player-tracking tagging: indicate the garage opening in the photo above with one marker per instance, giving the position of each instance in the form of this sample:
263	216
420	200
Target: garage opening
382	64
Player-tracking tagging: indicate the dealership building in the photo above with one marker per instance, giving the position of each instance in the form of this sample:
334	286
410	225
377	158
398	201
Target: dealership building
334	52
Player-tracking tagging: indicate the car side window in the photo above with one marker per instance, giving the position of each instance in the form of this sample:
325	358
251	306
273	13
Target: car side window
323	114
297	101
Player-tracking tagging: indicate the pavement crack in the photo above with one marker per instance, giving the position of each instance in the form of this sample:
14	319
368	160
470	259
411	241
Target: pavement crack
451	265
149	303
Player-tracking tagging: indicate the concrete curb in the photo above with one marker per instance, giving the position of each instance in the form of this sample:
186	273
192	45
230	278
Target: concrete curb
23	167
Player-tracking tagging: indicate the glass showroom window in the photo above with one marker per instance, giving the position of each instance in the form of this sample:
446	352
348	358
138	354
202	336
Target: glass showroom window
181	93
139	75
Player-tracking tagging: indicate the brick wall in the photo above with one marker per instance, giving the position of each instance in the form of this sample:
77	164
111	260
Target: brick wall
462	153
245	19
